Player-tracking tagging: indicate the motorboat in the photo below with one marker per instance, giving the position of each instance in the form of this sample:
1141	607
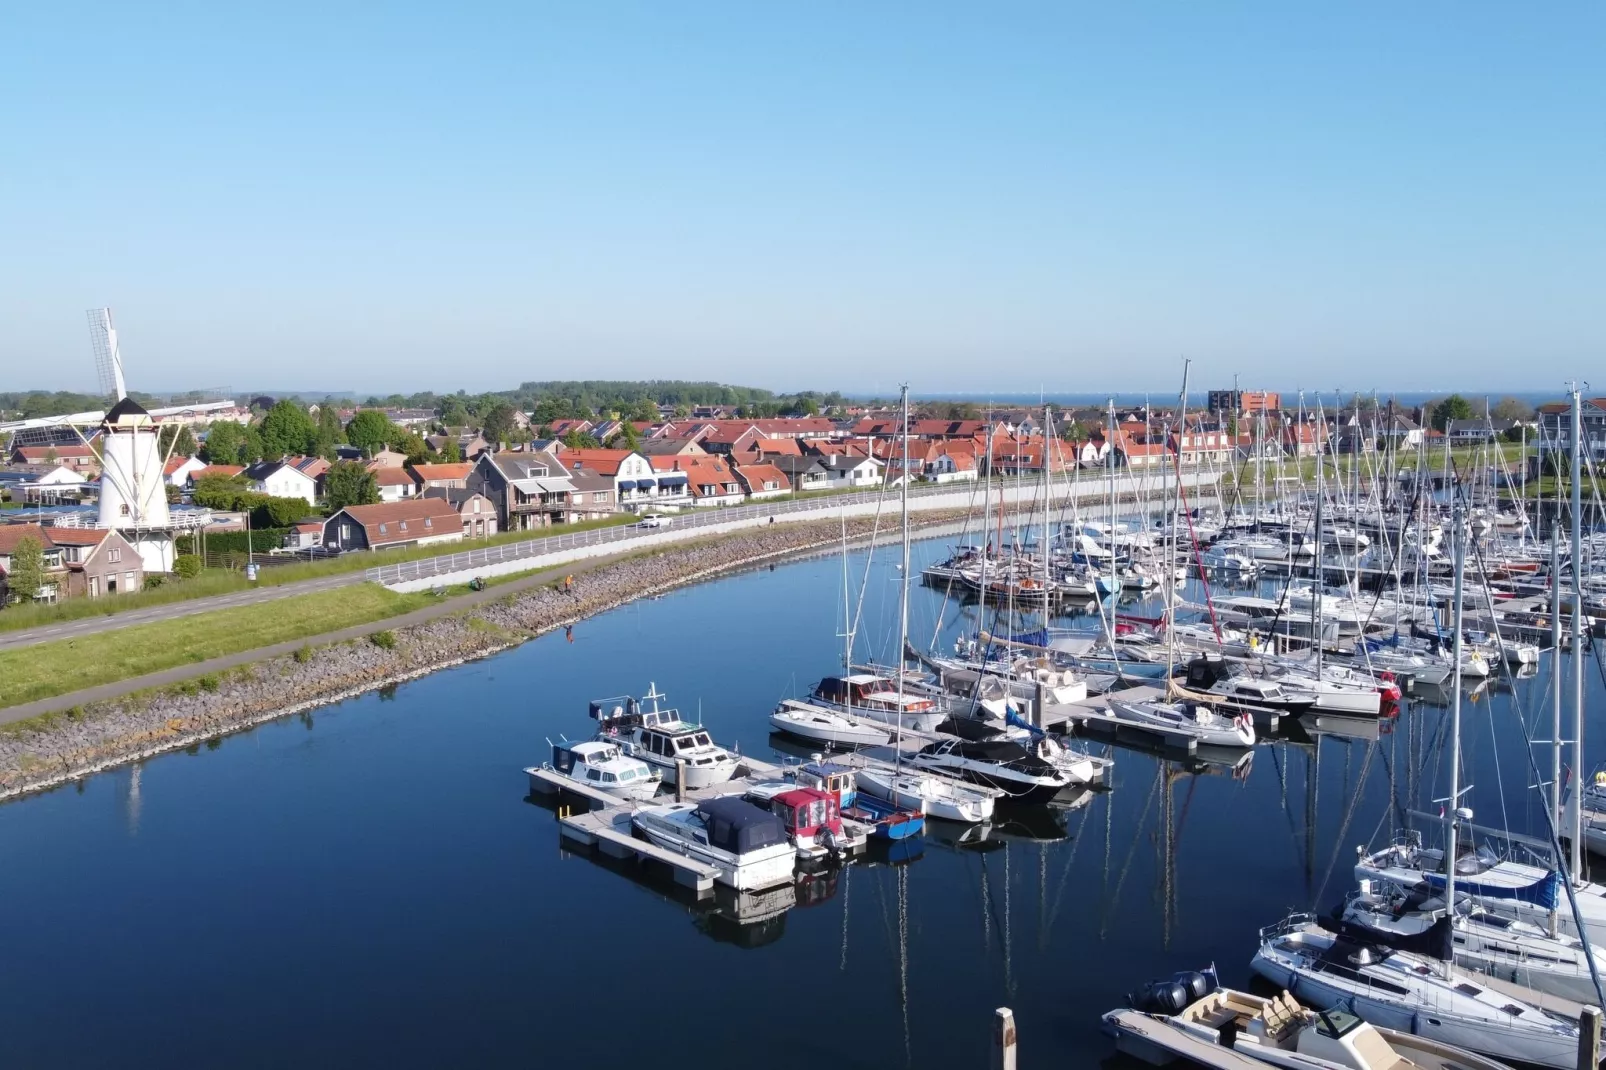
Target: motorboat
878	698
1512	950
601	765
887	820
934	796
661	739
1192	1017
1410	994
820	725
1196	719
747	847
813	820
1001	764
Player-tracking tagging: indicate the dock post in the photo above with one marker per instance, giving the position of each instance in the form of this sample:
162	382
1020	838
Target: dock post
1041	706
1004	1039
680	780
1589	1039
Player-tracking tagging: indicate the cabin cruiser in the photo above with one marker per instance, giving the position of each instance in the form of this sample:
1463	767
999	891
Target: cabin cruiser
1516	951
1196	719
876	698
661	739
1209	675
1243	1031
1001	764
602	766
1325	694
1508	888
1410	993
934	796
748	847
820	725
887	820
813	819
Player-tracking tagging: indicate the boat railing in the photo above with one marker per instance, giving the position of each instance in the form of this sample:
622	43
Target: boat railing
1293	923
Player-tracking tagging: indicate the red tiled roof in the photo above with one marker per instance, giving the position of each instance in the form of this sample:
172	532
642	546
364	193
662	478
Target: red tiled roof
606	462
394	514
754	476
775	447
12	534
78	536
430	472
393	477
37	454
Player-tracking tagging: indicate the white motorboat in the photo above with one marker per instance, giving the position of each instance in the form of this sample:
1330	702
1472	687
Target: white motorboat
1327	695
600	764
1196	719
1194	1019
748	847
820	725
934	796
878	698
1001	764
1516	951
661	739
1411	994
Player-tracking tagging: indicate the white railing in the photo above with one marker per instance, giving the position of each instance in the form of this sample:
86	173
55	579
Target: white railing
446	564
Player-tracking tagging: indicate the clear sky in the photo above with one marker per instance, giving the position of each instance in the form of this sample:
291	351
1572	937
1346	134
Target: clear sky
968	196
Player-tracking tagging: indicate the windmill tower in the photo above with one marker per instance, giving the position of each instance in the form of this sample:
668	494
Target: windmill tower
133	497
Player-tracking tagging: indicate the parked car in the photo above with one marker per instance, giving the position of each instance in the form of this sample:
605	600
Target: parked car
654	520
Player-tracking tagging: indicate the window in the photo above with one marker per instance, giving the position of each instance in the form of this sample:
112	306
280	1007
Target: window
123	509
404	525
128	582
383	529
94	586
428	522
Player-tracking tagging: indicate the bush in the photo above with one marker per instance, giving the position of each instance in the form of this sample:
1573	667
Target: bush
385	640
187	566
153	580
209	682
269	512
303	654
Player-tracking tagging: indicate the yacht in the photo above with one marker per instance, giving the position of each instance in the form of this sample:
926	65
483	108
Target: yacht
1516	951
748	847
1196	719
661	739
1412	994
934	796
1001	764
820	725
877	698
602	766
1193	1018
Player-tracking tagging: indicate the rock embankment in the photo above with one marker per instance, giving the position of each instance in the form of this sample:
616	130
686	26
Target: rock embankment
62	747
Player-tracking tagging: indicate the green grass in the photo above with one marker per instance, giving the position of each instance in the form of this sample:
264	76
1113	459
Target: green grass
225	581
48	669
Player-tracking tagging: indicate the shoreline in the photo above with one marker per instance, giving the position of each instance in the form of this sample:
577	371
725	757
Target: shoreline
177	718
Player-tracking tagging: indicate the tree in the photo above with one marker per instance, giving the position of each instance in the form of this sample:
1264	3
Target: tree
251	450
1512	409
224	441
682	411
579	440
454	414
370	431
175	440
453	453
498	422
1454	407
350	483
329	430
413	445
286	430
27	573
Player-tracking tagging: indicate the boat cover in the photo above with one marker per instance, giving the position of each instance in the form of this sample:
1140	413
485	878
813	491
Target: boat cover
739	827
1544	892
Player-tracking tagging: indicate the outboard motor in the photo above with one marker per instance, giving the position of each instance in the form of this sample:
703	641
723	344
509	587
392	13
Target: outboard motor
1197	985
1160	997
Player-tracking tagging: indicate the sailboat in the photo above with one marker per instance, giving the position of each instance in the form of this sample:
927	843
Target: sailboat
1428	995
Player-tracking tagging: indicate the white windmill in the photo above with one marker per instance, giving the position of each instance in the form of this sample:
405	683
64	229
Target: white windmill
133	495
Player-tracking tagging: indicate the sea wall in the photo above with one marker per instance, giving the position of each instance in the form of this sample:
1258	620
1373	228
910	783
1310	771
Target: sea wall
84	740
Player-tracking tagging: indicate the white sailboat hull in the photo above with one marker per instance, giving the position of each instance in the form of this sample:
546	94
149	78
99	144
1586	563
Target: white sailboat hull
820	725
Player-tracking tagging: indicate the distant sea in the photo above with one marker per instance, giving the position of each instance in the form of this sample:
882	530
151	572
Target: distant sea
1128	399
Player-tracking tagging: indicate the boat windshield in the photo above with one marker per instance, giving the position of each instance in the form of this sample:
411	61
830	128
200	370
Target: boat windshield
703	740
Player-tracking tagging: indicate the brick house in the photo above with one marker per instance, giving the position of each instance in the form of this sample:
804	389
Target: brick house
529	490
390	525
79	562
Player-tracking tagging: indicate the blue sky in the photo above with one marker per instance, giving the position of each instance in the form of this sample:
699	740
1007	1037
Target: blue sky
967	196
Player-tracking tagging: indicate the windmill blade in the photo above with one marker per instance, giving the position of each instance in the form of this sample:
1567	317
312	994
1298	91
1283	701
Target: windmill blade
108	358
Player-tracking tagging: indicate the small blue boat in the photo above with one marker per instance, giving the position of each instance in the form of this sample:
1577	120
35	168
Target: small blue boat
887	822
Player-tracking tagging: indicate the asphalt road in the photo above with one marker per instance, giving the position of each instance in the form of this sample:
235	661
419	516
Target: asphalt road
104	622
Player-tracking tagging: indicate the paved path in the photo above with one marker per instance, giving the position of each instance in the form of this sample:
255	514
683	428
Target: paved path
102	622
178	673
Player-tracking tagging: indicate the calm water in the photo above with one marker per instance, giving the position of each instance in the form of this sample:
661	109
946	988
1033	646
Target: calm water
367	884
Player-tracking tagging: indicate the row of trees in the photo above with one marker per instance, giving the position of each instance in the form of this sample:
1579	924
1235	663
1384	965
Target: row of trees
287	429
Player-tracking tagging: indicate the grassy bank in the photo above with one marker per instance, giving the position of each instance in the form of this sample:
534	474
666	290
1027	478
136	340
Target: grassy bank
227	581
50	669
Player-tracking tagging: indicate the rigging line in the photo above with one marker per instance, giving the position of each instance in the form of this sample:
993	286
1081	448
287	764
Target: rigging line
864	582
1349	815
1282	781
1142	819
948	589
1065	872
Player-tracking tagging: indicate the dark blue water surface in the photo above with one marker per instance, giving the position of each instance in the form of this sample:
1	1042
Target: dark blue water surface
367	884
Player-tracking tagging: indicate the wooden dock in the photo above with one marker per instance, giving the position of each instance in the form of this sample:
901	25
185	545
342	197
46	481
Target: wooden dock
610	832
1094	718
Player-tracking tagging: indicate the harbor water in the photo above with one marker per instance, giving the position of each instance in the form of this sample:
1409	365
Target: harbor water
369	884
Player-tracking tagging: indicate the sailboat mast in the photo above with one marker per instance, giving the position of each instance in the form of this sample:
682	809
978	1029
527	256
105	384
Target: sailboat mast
1578	635
1115	580
1455	723
1555	672
903	591
986	527
1170	587
1048	495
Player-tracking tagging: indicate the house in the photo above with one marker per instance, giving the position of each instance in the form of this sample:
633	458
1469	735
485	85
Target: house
1399	431
762	481
1556	428
529	490
674	491
670	447
712	481
944	462
470	444
56	486
391	525
177	470
282	479
386	458
78	457
304	536
479	515
442	476
1474	432
596	494
395	484
79	562
410	417
635	483
215	471
804	473
845	470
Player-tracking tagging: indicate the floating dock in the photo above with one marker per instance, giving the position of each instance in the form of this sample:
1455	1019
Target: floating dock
610	832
